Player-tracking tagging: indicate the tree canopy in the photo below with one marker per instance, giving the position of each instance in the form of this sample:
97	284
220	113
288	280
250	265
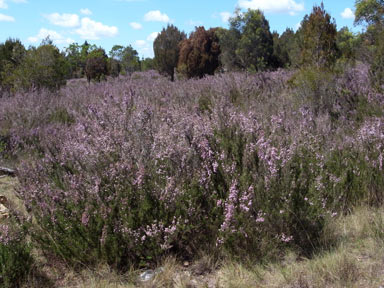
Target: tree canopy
370	12
166	49
97	65
199	55
318	38
248	43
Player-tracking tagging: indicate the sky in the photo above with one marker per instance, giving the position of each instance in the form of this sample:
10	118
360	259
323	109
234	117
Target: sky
137	22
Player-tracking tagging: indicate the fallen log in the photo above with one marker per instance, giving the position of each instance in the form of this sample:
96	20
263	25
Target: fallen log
7	171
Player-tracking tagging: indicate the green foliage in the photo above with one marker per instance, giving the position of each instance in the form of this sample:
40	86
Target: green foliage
256	43
12	54
205	104
248	44
130	60
166	49
114	67
315	89
2	146
116	52
147	64
228	40
15	259
76	55
346	44
97	65
199	55
286	50
318	38
62	116
127	57
43	67
12	50
377	66
370	12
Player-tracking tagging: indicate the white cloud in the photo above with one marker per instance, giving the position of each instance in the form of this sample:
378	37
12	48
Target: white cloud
85	11
348	14
298	26
140	43
144	48
195	23
225	16
151	37
146	52
274	6
93	30
156	15
6	18
63	20
135	25
53	35
3	5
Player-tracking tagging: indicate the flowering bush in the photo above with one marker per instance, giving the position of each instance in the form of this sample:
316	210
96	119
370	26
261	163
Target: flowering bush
132	169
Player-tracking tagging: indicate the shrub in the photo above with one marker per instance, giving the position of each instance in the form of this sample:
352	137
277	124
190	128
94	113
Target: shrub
230	164
15	257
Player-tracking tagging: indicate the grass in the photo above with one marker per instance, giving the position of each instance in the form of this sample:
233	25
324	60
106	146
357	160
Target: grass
355	260
7	185
7	189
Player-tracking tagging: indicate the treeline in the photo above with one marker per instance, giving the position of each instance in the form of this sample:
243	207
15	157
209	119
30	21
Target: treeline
248	44
46	66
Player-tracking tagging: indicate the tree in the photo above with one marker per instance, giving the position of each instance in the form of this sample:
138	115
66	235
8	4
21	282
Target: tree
130	61
147	64
76	56
346	44
319	38
75	60
43	67
12	50
166	49
286	49
370	12
116	52
97	65
114	67
228	39
199	55
127	57
248	44
12	54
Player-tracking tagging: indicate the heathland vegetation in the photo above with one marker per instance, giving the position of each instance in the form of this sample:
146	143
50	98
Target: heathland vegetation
245	145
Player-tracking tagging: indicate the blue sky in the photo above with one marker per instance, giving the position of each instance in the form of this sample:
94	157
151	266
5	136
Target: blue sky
137	22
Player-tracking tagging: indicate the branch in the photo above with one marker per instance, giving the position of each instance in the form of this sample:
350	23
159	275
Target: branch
8	171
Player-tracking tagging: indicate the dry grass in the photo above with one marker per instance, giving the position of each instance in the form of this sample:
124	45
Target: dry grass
7	185
356	262
7	189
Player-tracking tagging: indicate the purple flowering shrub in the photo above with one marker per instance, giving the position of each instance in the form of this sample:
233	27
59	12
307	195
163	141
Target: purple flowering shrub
132	169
